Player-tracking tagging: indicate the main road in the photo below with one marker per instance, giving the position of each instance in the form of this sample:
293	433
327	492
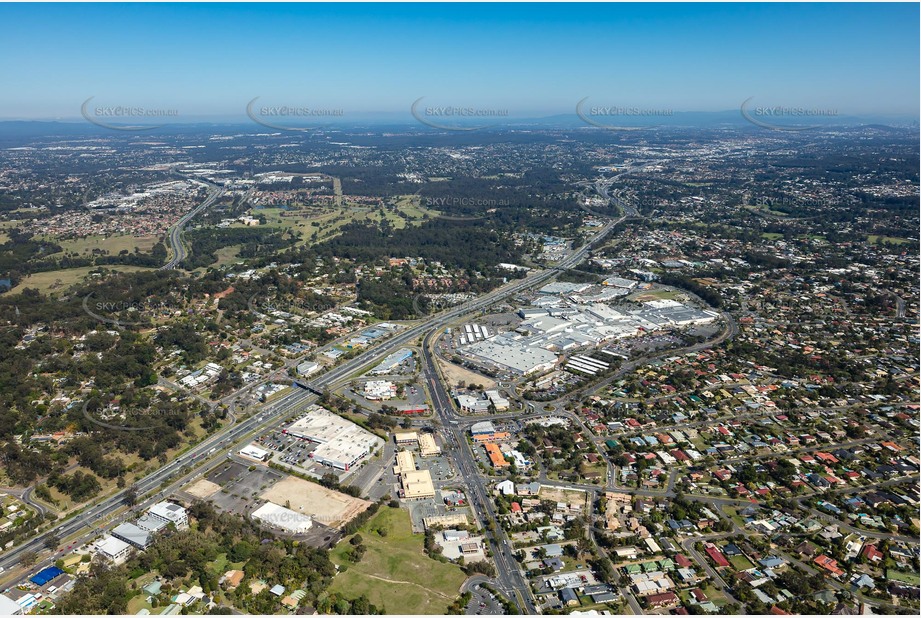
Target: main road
508	572
175	233
210	448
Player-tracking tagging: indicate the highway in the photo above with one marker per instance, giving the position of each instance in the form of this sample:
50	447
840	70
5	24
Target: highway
175	233
231	435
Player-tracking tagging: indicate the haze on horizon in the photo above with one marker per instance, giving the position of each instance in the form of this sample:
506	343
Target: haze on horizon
533	60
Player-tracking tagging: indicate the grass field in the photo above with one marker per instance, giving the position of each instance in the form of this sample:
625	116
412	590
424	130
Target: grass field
327	222
60	280
741	563
912	579
112	245
138	603
394	573
874	239
764	208
642	297
225	256
734	515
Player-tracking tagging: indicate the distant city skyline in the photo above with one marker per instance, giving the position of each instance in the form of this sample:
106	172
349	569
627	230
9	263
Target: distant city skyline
204	62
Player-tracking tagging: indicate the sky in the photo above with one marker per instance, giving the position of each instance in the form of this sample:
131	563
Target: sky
209	60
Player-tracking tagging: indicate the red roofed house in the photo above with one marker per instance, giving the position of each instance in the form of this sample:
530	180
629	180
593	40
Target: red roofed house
829	564
662	599
716	555
872	554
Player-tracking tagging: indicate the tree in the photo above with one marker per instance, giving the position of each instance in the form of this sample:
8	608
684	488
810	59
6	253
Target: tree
51	541
28	559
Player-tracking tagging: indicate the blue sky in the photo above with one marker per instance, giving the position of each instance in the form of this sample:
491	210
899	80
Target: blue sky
209	60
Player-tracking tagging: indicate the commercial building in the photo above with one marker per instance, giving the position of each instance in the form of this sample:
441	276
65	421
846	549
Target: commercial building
150	524
342	443
133	535
379	390
509	352
112	549
9	607
254	452
392	361
282	518
482	427
495	455
405	437
499	402
427	445
445	521
499	436
307	368
417	485
472	405
170	513
405	463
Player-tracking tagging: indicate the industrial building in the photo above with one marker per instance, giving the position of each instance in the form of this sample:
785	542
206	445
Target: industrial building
342	443
282	518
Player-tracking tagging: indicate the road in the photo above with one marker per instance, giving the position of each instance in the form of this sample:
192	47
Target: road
509	576
688	545
174	236
230	436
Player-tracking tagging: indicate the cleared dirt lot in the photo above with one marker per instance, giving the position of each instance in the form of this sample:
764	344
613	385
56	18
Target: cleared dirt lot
563	495
327	507
203	489
454	374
